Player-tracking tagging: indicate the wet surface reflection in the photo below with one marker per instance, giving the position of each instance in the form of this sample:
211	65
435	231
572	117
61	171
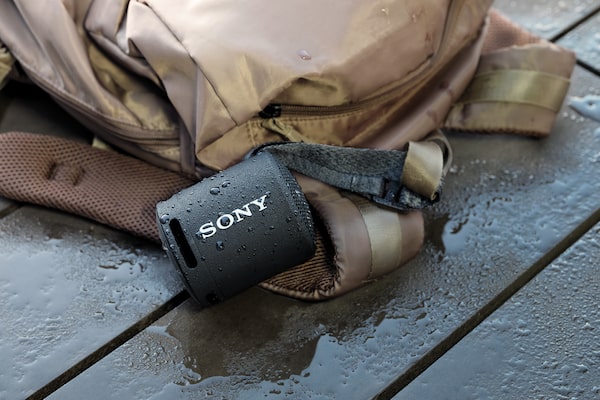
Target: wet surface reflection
543	343
543	17
67	289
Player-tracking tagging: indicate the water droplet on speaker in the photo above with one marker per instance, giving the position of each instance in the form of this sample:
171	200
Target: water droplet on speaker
304	55
164	219
220	245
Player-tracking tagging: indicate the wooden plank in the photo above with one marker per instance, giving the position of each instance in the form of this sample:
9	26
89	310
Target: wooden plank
585	41
68	287
543	343
546	18
508	205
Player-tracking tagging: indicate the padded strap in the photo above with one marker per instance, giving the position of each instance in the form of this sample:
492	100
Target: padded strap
357	242
105	186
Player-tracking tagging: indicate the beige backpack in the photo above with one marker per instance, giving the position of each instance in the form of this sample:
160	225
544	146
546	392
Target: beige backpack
191	89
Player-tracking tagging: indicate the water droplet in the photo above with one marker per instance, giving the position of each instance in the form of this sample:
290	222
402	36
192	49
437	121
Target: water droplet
250	229
212	298
225	184
220	269
215	191
588	106
164	219
220	245
289	219
304	55
271	227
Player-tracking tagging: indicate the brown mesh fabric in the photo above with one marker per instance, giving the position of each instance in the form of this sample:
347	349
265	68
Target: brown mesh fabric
504	33
107	187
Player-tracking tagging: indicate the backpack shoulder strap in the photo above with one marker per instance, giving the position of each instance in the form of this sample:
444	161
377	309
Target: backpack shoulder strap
105	186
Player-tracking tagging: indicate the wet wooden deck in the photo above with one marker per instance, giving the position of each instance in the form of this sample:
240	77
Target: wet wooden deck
503	302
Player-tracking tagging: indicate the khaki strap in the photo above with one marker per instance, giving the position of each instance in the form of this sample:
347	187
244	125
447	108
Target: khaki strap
6	64
384	228
518	86
426	164
518	89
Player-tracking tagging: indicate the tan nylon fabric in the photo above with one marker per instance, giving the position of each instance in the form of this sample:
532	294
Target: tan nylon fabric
503	34
422	97
172	84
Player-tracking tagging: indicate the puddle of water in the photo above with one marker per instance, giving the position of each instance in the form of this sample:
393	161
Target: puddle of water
31	284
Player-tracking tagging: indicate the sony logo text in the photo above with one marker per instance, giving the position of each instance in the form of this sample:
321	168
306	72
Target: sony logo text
226	221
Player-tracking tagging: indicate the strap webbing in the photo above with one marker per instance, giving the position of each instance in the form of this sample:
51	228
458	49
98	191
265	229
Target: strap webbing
6	63
375	174
518	86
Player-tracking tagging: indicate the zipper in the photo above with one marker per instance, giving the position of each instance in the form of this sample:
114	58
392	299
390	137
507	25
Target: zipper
281	111
134	133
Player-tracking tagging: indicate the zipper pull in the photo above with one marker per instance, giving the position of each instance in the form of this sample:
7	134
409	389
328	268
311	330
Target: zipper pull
271	111
286	131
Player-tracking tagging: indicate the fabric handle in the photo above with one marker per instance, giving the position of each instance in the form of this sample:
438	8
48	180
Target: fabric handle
402	180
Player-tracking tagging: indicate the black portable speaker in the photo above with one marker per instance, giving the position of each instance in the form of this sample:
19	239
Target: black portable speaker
237	228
